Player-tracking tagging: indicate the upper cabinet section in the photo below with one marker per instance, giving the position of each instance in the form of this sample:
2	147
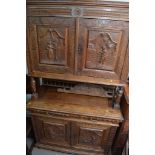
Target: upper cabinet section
84	41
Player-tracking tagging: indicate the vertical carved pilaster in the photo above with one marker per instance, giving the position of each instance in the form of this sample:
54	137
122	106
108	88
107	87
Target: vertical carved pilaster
117	97
33	87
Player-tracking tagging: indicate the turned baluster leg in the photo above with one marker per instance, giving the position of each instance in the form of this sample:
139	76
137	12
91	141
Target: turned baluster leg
33	87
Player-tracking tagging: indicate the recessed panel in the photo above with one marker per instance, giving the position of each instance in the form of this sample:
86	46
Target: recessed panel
54	132
90	137
102	49
52	44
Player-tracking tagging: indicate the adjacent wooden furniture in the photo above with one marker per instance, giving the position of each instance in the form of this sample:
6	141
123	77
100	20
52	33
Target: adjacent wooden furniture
79	51
123	131
29	133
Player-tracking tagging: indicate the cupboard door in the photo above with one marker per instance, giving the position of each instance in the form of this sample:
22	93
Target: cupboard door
51	44
92	137
51	131
102	48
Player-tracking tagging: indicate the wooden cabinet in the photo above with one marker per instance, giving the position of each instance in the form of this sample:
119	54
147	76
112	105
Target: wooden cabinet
80	47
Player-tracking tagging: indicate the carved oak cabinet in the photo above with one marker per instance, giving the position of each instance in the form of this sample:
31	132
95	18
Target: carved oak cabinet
80	48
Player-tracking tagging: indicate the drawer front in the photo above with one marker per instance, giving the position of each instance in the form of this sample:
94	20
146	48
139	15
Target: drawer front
102	48
51	44
92	137
51	131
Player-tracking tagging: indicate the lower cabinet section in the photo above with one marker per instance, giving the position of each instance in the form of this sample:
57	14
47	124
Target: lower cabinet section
77	137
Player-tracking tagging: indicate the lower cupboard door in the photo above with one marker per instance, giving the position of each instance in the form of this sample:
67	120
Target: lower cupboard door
91	137
51	131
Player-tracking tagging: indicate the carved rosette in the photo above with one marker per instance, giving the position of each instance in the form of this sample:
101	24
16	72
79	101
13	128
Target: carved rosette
77	12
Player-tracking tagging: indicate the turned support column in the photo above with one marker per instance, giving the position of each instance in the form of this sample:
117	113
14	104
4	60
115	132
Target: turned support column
34	88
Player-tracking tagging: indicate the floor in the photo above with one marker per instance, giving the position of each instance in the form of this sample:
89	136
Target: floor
38	151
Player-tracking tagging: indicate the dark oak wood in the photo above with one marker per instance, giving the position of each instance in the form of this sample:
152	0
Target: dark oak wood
77	41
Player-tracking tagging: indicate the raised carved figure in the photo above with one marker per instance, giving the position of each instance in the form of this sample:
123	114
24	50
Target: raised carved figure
101	51
53	44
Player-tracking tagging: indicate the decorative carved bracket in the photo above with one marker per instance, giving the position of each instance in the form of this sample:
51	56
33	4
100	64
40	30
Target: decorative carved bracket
117	97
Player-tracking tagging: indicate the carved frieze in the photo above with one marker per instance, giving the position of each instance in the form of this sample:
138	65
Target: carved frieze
67	115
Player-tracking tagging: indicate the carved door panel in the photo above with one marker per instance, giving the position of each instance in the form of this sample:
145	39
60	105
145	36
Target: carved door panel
102	48
51	44
92	137
52	131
